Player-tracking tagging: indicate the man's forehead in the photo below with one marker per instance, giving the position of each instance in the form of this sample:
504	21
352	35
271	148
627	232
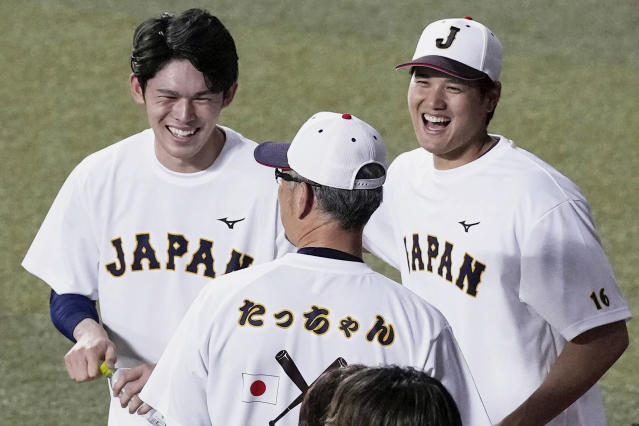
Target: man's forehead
427	72
180	76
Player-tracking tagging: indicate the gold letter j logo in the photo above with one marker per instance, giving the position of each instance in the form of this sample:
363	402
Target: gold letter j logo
449	41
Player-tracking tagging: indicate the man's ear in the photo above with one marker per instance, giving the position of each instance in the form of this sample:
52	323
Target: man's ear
136	89
493	96
229	95
304	200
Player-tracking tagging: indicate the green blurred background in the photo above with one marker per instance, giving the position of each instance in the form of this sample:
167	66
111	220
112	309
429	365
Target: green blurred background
570	93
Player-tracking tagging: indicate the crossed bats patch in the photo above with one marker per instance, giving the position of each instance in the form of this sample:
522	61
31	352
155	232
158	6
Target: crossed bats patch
291	370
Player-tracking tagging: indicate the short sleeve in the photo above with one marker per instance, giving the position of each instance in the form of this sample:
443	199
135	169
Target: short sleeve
379	236
565	275
64	252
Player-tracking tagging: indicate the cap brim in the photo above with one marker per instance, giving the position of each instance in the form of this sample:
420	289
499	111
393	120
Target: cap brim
446	65
272	154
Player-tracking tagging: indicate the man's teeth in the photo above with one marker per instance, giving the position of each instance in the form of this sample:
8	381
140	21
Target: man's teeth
180	132
434	119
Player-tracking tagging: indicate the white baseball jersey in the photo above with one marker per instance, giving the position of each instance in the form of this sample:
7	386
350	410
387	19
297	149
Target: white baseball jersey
506	249
144	240
220	367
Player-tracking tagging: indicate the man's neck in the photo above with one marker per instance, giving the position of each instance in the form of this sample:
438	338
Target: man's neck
470	153
330	235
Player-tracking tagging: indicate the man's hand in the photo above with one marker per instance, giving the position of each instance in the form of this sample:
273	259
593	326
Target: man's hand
93	345
130	383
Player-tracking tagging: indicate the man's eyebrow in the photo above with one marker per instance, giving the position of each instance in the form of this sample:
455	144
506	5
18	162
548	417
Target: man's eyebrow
206	92
174	93
168	92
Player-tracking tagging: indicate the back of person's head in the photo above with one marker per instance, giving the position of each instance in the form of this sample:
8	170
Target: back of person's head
392	396
350	208
318	396
342	158
194	35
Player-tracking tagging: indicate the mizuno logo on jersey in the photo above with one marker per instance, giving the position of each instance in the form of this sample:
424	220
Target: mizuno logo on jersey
176	246
467	225
468	272
230	223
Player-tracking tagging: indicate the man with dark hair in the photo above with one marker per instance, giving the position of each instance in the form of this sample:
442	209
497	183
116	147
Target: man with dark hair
499	241
249	345
145	223
391	396
314	406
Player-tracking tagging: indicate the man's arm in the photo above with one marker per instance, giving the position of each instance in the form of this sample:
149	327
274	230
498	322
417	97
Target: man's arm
76	317
581	363
92	347
67	310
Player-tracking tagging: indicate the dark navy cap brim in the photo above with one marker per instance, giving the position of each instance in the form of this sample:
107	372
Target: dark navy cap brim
446	65
272	154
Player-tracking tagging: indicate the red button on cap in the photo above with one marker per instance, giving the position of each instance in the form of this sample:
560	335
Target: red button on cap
346	116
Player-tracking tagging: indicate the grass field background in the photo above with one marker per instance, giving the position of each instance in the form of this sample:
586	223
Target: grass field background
570	94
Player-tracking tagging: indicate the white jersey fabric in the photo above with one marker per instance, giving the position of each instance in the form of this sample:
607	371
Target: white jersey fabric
505	247
220	367
144	240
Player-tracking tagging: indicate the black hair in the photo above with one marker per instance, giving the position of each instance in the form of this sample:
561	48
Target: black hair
392	396
318	397
194	35
486	84
350	208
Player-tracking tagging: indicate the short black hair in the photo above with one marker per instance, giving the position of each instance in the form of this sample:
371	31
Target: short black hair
194	35
392	396
350	208
318	396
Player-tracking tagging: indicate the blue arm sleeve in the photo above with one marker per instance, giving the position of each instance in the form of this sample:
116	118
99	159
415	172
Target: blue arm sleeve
67	310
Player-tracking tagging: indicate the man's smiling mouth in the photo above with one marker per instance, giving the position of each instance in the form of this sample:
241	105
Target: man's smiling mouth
433	122
182	133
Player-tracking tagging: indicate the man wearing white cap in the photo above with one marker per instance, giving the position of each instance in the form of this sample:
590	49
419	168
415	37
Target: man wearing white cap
499	241
251	344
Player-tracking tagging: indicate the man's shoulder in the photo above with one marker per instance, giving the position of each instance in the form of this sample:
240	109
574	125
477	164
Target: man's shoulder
129	145
234	282
130	149
417	157
226	290
237	157
237	140
411	303
535	176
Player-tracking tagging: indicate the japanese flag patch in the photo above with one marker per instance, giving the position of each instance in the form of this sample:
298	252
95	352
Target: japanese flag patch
260	388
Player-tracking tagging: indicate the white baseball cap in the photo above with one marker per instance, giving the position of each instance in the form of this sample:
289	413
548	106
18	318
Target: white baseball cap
329	149
460	47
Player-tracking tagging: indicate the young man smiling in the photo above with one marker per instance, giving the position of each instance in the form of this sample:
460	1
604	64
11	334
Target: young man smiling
183	113
499	241
444	111
145	223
